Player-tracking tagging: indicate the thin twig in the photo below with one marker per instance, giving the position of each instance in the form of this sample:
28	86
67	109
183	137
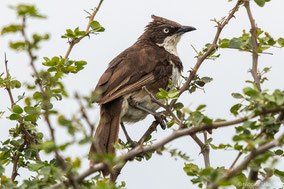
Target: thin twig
150	130
75	41
84	115
254	70
204	149
235	161
8	87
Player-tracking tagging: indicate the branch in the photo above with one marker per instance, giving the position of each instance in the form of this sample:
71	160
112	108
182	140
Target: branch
84	115
213	47
176	134
205	149
260	150
75	41
254	71
8	87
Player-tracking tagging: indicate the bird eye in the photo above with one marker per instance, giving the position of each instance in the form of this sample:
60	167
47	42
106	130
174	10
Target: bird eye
166	30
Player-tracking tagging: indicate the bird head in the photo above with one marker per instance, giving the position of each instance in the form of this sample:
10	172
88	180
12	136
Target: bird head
164	32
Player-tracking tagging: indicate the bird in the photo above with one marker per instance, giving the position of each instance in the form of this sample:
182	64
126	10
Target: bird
151	62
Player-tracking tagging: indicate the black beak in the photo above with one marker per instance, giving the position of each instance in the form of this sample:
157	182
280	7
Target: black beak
184	29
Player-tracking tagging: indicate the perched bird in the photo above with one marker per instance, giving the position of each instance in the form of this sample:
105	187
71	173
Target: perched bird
151	62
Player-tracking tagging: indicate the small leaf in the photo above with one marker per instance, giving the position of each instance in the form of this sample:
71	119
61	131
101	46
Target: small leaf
278	152
14	117
174	94
235	108
178	105
280	41
17	109
235	43
260	2
200	107
95	25
31	110
31	118
237	95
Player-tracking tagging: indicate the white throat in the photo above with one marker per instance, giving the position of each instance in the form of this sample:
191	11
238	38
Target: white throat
170	44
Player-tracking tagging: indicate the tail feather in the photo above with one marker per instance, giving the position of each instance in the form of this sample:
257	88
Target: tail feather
108	128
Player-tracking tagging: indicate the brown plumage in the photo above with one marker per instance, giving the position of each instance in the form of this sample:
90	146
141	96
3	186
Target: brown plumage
150	62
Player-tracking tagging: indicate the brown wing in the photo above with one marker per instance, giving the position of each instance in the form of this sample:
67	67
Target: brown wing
133	69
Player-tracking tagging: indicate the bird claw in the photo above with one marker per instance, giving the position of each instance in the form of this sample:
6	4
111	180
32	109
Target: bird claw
160	119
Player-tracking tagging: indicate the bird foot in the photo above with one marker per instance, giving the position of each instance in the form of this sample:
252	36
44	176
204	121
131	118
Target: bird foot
160	119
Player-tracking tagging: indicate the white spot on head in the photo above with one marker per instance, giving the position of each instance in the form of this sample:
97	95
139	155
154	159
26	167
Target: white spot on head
170	43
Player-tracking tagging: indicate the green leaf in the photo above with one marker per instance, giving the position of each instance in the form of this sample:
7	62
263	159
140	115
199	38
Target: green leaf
162	94
224	43
2	170
280	174
32	110
206	79
280	41
173	94
237	95
250	92
35	166
191	169
260	2
17	109
15	84
31	118
200	107
14	117
27	10
95	25
234	109
278	152
48	146
18	46
11	29
178	105
235	43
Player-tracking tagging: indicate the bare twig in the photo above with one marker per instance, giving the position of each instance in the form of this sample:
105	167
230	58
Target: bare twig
254	70
235	161
75	41
8	87
204	149
129	140
150	130
84	115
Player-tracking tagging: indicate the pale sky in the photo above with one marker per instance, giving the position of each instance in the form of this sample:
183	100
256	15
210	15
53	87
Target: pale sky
124	21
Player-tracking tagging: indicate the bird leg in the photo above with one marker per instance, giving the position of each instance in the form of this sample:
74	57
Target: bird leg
132	143
159	118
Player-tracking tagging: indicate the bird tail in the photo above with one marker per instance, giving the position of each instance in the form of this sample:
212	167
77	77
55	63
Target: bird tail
107	131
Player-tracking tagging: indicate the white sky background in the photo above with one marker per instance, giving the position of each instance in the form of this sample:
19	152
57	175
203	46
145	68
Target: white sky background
124	21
